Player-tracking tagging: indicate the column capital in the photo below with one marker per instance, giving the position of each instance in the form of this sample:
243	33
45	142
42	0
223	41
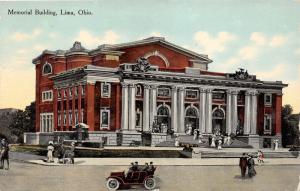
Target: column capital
202	89
181	88
146	86
209	90
153	86
253	92
124	85
131	85
173	88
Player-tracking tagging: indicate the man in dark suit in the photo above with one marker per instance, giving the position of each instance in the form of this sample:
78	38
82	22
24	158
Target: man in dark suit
243	164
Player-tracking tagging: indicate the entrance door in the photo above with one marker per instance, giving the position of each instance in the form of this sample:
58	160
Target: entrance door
163	119
218	122
191	119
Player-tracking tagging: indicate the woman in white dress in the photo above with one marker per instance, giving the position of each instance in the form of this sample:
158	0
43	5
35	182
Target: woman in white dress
50	150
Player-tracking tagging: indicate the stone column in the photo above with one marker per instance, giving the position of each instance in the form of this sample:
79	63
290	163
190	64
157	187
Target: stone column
234	113
247	113
153	104
174	109
124	118
146	124
228	112
208	123
253	112
202	110
131	107
180	118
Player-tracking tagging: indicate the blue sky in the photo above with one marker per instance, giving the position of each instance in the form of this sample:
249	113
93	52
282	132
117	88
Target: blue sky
259	35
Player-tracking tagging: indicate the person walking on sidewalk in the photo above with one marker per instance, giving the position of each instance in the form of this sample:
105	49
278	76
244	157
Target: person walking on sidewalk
243	164
50	150
251	164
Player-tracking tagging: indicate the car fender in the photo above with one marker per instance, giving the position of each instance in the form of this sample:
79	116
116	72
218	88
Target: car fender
116	177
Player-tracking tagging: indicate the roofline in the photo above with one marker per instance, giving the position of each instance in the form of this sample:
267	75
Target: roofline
161	40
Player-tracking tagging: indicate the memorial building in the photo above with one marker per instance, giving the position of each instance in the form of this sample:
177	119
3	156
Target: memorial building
148	89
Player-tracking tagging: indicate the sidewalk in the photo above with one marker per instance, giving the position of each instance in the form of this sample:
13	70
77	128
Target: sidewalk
169	161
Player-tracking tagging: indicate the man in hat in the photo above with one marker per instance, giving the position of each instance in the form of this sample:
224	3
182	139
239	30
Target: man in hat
4	154
135	166
251	163
243	164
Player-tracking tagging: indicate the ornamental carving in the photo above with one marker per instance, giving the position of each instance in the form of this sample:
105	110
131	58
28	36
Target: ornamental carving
241	74
142	65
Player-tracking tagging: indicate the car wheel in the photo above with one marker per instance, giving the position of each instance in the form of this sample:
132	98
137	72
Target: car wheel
112	184
149	183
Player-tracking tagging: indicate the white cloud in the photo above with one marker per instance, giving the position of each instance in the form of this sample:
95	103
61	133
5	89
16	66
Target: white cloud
258	38
248	52
275	73
210	44
20	36
89	40
278	40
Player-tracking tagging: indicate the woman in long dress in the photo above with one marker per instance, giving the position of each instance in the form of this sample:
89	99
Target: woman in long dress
251	170
50	149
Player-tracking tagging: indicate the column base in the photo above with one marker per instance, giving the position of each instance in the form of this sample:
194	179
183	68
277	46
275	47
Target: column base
253	140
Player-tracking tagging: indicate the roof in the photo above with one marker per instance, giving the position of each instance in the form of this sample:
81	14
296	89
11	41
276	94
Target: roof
114	49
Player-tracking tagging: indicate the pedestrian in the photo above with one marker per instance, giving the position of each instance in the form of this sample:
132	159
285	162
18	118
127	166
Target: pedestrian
243	164
177	141
50	150
219	144
4	154
251	164
200	138
195	134
260	156
213	141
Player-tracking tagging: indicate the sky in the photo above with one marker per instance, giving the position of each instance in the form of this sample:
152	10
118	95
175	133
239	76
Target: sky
261	36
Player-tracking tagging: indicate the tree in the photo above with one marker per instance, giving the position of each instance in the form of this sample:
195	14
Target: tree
22	121
290	130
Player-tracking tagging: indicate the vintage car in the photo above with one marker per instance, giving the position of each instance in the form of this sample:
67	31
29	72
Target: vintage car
121	179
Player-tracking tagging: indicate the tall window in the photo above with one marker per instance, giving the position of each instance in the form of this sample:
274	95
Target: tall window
47	69
268	99
65	118
59	119
58	94
70	117
70	92
47	95
105	90
104	118
139	118
138	90
83	90
76	90
268	124
46	122
76	117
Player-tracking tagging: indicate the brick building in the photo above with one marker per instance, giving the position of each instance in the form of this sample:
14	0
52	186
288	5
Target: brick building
147	89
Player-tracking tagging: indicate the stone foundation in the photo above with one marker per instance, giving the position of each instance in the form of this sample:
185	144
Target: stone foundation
158	138
129	137
38	138
109	138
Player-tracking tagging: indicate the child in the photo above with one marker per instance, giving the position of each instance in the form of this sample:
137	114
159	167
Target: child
260	157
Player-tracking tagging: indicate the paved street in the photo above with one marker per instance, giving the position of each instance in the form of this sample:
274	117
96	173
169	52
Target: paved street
32	177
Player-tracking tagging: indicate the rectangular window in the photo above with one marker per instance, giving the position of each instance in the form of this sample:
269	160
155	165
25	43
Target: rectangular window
105	90
65	93
82	114
59	119
104	118
138	122
268	99
76	117
70	92
83	90
65	118
163	92
191	94
70	117
76	91
218	95
46	122
58	94
268	124
47	95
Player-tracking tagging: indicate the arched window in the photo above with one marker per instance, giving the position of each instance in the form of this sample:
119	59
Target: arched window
218	114
191	112
163	111
47	69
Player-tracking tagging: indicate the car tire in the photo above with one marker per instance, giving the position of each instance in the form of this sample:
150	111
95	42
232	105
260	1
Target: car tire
149	183
112	184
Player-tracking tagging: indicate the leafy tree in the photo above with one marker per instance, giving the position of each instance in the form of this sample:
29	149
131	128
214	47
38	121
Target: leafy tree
290	129
22	121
